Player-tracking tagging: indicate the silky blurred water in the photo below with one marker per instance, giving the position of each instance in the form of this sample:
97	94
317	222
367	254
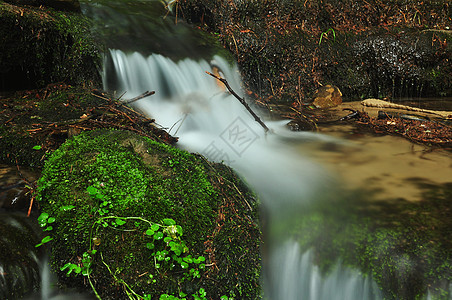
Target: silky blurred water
210	121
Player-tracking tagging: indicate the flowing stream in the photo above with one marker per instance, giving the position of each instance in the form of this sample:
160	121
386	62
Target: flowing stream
208	120
289	171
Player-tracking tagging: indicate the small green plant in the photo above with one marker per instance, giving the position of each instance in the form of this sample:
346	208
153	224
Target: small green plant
168	250
325	33
84	267
44	220
201	294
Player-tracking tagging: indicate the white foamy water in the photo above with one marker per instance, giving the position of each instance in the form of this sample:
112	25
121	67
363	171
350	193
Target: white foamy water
209	121
294	276
193	106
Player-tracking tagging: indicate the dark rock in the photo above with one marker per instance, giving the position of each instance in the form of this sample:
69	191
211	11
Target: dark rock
40	46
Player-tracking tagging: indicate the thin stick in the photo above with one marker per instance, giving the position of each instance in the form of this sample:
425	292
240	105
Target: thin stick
256	118
145	94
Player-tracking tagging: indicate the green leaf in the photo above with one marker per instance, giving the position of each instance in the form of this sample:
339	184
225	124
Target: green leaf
150	232
179	229
48	228
67	207
169	222
65	266
184	265
91	190
167	239
155	227
44	240
51	220
120	222
37	147
42	219
150	246
158	235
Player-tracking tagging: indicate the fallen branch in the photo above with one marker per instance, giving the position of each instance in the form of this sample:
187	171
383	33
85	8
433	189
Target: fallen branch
384	104
256	118
145	94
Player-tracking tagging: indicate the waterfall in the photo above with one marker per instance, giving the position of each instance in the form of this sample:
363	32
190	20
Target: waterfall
294	276
193	106
208	120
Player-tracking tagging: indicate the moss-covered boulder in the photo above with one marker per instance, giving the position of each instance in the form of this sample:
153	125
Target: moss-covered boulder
139	217
404	246
40	45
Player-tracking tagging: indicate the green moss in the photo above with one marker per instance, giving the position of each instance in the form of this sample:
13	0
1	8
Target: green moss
41	46
140	178
404	246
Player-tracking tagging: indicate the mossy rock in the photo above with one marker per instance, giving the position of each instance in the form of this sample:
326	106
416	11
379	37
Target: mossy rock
39	46
404	246
120	203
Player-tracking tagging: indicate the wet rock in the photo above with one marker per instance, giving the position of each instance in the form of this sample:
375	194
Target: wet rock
300	125
41	46
327	96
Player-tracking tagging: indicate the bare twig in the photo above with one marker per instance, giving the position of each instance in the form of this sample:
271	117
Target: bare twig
145	94
256	118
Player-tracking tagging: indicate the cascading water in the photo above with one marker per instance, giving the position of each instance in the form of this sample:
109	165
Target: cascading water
209	121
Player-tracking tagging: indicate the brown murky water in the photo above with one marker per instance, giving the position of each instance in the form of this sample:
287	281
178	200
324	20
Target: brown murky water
387	166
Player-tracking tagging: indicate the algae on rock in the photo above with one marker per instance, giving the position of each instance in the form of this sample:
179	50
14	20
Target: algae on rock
106	187
39	46
404	246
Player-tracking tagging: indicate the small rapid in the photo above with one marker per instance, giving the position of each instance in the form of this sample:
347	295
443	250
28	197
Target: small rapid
208	120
